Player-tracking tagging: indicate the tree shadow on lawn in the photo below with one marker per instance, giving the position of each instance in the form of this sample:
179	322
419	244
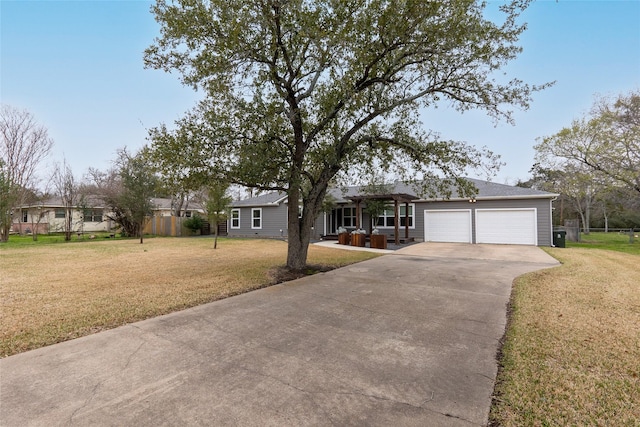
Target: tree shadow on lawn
283	274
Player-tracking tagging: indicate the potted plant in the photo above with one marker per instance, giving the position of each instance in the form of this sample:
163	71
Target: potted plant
358	238
375	208
343	236
378	241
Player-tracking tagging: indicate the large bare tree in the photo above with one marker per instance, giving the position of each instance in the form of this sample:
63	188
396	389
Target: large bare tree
606	141
68	189
25	143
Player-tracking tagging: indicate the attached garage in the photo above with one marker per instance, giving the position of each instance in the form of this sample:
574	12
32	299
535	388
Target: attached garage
496	214
507	226
448	226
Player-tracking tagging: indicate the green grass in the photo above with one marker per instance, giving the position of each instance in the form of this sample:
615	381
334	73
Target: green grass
17	241
613	241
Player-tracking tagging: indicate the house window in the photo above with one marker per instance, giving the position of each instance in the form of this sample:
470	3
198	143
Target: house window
60	213
388	218
235	218
92	215
25	215
256	218
403	220
349	217
187	214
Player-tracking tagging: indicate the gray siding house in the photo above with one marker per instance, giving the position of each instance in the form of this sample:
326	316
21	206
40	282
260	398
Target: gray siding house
499	214
261	216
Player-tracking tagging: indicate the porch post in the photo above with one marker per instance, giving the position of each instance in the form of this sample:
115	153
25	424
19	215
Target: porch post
357	214
397	221
324	223
406	220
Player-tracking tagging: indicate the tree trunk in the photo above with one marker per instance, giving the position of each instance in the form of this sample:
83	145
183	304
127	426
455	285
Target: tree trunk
299	229
34	230
4	234
68	224
584	226
298	248
215	237
587	217
298	235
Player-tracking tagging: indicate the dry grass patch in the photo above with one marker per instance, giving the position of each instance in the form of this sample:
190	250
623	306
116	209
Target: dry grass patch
572	350
58	292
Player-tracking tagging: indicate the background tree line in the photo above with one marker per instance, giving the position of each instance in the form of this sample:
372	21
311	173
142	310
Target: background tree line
594	164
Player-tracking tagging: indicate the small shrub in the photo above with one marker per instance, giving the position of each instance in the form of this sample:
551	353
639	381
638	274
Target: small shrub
194	223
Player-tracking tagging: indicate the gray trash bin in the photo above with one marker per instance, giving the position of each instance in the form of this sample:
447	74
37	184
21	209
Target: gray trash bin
559	238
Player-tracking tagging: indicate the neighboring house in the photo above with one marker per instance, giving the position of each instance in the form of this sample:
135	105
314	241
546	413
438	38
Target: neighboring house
164	207
49	216
499	213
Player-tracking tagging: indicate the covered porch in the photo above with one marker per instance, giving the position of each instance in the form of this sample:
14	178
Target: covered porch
352	216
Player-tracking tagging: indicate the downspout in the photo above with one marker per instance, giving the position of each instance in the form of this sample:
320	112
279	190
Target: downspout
551	218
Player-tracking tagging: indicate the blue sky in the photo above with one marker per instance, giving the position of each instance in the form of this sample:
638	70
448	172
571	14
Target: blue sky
77	67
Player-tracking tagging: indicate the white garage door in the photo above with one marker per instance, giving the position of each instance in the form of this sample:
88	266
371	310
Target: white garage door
507	226
447	225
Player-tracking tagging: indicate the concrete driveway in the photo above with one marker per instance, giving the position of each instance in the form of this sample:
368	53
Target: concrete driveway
407	339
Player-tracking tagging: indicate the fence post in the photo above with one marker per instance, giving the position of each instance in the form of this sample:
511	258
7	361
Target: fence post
631	235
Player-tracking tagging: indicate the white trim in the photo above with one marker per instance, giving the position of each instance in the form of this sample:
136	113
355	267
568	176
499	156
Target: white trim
231	219
466	199
353	216
255	205
481	239
468	238
324	223
253	227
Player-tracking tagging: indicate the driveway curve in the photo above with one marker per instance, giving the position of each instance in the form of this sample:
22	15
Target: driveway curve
406	339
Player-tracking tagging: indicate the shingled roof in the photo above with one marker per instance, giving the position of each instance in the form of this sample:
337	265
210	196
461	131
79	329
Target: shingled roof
486	191
273	198
491	190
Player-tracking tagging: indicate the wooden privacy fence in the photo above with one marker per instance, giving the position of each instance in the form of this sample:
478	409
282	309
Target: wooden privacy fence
172	226
166	226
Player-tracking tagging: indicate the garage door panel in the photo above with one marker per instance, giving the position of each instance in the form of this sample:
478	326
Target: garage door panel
447	226
506	226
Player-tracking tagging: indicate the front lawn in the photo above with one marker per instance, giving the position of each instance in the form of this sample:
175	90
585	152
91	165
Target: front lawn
613	241
18	241
55	292
571	355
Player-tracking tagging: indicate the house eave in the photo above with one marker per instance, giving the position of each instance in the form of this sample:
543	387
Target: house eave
281	200
255	205
463	199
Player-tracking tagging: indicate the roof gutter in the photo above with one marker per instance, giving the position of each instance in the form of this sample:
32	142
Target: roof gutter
463	199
